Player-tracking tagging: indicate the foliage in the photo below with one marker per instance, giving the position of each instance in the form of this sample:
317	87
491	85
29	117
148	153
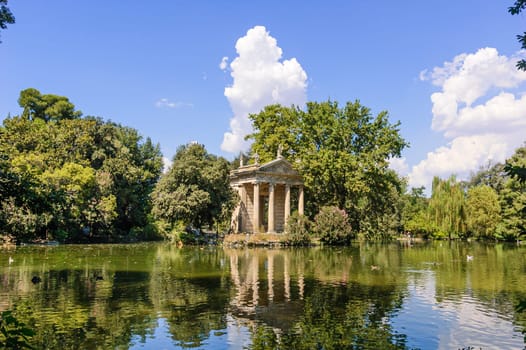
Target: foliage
414	212
517	8
332	226
298	229
13	333
71	178
195	190
513	198
6	16
447	211
342	154
482	211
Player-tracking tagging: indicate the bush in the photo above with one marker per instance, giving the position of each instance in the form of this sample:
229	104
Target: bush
332	226
297	229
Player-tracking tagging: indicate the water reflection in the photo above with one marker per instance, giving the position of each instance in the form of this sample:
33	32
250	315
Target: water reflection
367	296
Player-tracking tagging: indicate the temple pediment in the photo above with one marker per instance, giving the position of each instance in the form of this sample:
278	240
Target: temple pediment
278	166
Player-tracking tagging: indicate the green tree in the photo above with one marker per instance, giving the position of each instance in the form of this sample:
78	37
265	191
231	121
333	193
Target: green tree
342	154
195	190
414	212
66	177
482	211
517	8
47	107
6	16
513	197
447	212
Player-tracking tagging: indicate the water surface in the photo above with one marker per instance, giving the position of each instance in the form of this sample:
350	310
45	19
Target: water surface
371	296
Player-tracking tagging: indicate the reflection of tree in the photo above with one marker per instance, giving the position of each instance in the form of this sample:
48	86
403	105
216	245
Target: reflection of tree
112	296
316	298
190	289
336	318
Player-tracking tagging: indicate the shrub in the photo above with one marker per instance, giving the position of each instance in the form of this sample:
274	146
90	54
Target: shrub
297	229
332	226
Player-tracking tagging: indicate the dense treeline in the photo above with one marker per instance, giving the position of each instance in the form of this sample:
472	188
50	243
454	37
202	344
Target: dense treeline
73	178
491	205
70	178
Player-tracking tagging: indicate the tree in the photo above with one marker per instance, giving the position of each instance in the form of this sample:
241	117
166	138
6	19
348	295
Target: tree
517	8
66	177
342	154
414	212
6	16
196	189
447	212
47	107
482	211
513	197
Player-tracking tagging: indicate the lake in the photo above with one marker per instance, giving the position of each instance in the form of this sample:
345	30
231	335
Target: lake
367	296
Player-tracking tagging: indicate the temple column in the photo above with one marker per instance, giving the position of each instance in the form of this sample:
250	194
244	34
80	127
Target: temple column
300	201
271	208
287	203
255	216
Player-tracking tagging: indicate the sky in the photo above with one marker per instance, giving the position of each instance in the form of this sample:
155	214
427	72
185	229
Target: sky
184	71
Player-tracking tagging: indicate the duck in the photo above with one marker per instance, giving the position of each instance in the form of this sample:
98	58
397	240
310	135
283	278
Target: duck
11	260
374	267
36	279
469	257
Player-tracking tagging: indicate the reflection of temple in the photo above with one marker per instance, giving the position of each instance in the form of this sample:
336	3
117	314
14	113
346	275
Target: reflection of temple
265	195
266	283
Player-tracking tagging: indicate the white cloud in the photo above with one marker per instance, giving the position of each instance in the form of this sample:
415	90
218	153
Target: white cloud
260	78
399	165
167	164
224	63
165	103
477	110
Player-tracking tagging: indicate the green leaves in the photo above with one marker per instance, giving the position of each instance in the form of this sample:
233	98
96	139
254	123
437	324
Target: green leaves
195	190
65	174
13	333
342	154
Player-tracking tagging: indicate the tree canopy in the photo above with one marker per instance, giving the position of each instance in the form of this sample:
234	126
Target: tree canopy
343	155
517	8
6	16
69	178
195	190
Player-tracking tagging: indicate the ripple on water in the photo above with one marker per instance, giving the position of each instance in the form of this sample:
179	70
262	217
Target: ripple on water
455	321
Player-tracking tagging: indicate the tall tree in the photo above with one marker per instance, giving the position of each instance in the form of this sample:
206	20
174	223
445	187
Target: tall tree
513	197
342	154
196	190
6	16
447	211
517	8
482	211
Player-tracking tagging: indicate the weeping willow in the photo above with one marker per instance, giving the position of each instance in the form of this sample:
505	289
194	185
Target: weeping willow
447	208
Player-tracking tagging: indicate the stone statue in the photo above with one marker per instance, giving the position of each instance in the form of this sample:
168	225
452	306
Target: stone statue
280	150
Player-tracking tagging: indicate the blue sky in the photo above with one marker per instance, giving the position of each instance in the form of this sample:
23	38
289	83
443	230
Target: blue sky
442	68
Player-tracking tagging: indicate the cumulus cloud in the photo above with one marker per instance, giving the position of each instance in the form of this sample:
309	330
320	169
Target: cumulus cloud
166	103
399	165
478	110
260	77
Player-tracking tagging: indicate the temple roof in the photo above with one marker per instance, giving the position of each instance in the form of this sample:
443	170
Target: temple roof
278	171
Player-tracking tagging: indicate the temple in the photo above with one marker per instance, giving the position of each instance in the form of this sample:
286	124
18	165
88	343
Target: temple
265	195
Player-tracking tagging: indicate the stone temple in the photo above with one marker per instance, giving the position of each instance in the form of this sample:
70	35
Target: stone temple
265	192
